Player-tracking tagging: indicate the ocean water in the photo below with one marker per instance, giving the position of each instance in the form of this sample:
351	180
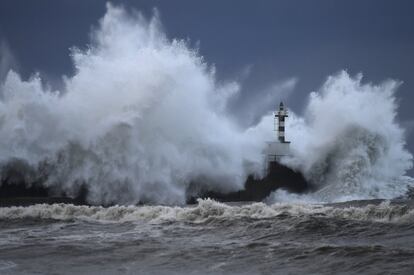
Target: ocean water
367	237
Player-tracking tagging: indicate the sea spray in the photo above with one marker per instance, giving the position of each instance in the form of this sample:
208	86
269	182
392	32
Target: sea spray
349	144
140	120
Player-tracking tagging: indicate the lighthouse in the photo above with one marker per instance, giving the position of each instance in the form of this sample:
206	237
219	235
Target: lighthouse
279	147
276	174
280	118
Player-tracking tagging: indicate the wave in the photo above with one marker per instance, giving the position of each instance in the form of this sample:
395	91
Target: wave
349	144
207	210
141	119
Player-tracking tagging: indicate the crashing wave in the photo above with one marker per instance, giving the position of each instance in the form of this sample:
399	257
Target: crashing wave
140	120
349	144
207	210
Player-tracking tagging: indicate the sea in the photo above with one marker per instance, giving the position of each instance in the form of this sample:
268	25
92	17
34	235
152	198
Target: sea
357	237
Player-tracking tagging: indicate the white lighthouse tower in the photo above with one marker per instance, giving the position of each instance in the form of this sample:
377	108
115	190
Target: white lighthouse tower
277	149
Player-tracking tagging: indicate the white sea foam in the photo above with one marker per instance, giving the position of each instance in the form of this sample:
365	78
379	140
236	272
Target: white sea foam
205	210
349	144
141	118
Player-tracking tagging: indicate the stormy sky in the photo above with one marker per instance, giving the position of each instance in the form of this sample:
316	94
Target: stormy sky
285	46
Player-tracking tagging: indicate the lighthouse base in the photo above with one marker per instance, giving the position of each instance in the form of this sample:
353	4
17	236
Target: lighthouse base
279	176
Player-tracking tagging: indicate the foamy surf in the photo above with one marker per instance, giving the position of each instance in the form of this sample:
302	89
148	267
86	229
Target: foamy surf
206	210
